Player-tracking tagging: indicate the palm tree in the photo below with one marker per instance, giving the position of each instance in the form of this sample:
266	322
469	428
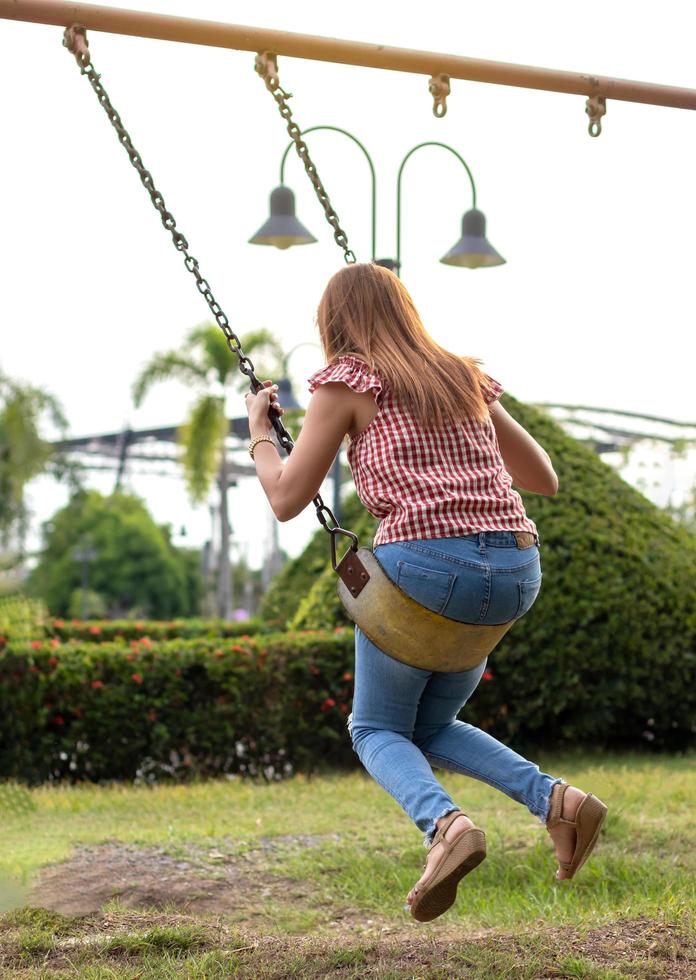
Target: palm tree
206	364
24	453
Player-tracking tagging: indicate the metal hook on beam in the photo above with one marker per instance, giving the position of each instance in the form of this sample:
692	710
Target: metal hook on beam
75	40
266	65
439	88
595	107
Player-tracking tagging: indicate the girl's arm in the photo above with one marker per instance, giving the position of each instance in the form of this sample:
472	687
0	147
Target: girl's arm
526	461
290	486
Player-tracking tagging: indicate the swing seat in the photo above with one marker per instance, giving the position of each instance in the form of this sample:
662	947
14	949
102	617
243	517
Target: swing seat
403	628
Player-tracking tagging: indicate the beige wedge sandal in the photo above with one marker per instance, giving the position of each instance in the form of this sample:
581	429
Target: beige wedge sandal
460	857
588	823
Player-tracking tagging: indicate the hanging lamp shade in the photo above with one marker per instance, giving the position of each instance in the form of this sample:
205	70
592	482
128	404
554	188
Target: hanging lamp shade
286	396
473	250
282	228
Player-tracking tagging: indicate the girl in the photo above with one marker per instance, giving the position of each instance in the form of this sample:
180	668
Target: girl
433	455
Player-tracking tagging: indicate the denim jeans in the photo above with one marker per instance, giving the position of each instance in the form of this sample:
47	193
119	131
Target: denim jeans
404	719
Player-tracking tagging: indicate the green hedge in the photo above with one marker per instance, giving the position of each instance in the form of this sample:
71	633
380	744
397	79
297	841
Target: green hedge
608	652
148	711
104	631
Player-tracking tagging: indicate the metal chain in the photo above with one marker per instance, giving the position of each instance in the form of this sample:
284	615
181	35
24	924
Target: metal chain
266	66
75	40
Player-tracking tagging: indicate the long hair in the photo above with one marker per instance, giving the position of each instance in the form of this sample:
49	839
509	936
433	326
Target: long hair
366	310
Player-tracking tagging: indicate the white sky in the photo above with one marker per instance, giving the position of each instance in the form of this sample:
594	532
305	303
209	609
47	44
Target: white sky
595	304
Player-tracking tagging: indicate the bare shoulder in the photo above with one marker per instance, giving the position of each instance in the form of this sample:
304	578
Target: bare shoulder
355	408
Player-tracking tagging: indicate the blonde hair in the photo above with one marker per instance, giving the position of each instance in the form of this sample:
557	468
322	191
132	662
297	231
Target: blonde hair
366	310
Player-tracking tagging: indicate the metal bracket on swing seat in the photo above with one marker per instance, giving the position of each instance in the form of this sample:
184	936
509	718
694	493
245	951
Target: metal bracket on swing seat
408	631
350	569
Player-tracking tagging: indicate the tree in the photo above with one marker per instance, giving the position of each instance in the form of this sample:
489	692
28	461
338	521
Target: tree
24	453
133	566
206	364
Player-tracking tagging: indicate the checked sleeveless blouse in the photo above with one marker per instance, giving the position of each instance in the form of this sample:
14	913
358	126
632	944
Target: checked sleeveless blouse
426	483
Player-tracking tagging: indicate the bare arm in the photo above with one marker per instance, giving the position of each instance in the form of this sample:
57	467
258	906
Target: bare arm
291	486
526	461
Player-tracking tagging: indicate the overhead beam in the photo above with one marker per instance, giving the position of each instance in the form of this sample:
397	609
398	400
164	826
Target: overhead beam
214	34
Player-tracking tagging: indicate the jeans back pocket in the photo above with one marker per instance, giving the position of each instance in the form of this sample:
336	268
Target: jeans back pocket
429	586
529	590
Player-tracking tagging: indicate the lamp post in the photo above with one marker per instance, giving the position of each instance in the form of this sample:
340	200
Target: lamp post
84	554
282	232
283	229
473	250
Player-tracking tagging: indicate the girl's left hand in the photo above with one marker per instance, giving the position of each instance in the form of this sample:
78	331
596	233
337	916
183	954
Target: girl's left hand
258	406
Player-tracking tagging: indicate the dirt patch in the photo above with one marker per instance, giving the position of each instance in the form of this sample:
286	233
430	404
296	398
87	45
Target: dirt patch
149	877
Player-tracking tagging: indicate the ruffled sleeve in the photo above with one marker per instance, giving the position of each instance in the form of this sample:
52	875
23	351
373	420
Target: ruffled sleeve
490	389
352	371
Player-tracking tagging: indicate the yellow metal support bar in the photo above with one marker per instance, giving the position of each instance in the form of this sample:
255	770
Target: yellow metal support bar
429	63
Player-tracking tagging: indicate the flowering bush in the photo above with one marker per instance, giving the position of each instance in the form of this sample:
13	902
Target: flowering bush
148	710
129	629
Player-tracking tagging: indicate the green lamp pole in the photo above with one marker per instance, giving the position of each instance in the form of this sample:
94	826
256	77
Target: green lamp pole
282	229
472	251
276	232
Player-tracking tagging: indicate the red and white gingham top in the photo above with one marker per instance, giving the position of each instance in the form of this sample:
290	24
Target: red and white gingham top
426	483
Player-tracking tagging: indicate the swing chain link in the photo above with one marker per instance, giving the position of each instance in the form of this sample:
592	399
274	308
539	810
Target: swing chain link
266	65
75	40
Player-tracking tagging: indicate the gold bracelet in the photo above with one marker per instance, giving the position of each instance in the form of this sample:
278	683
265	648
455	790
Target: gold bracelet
253	443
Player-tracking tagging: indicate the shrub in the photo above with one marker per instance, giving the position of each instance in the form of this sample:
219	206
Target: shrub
21	618
104	631
608	652
148	711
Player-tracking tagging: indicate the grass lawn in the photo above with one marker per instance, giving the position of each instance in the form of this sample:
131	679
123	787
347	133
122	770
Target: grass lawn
307	878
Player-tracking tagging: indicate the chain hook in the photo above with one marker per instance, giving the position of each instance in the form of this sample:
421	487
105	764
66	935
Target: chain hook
439	88
595	107
75	40
266	65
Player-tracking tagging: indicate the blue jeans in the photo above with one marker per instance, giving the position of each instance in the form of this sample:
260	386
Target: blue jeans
404	719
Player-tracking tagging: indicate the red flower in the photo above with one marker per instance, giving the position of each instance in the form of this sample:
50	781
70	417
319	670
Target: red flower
344	709
52	661
152	715
54	642
75	622
347	676
77	712
139	626
146	642
137	678
58	720
95	630
487	676
313	669
3	641
36	644
130	656
48	705
58	623
34	669
327	703
219	653
97	684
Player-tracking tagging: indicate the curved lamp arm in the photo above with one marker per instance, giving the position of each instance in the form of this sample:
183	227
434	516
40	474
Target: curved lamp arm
398	188
337	129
